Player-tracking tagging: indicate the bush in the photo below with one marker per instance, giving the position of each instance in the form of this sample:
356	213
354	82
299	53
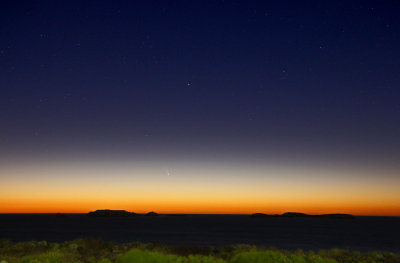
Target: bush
139	256
270	256
50	257
260	257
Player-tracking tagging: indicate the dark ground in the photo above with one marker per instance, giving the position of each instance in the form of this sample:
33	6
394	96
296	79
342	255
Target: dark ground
361	233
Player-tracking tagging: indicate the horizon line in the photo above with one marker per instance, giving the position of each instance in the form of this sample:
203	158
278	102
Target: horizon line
144	213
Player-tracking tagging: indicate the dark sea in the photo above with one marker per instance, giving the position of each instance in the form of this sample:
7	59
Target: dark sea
360	233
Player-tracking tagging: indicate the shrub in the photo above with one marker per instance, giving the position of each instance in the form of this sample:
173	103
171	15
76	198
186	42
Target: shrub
49	257
260	257
319	259
191	250
139	256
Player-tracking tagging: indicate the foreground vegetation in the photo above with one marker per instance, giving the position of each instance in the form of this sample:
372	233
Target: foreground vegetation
98	251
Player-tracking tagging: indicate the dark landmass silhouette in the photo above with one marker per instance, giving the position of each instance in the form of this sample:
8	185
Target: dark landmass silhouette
110	213
297	214
115	213
151	214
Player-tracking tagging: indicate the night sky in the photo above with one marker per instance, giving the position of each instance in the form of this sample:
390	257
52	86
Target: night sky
200	106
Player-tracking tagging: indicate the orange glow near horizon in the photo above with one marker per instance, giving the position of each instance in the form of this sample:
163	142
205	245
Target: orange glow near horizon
193	189
27	206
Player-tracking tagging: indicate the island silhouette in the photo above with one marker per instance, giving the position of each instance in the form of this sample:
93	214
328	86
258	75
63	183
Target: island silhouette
297	214
109	213
124	213
151	214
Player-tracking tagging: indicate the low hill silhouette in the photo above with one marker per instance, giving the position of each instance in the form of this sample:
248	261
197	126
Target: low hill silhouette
151	214
123	213
297	214
110	213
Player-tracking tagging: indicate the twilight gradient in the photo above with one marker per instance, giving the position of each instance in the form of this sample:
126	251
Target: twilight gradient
208	187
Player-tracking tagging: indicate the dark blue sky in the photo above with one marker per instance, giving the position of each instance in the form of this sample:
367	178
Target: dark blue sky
225	80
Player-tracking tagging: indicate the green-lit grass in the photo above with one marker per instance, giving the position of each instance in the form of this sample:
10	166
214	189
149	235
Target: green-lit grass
98	251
